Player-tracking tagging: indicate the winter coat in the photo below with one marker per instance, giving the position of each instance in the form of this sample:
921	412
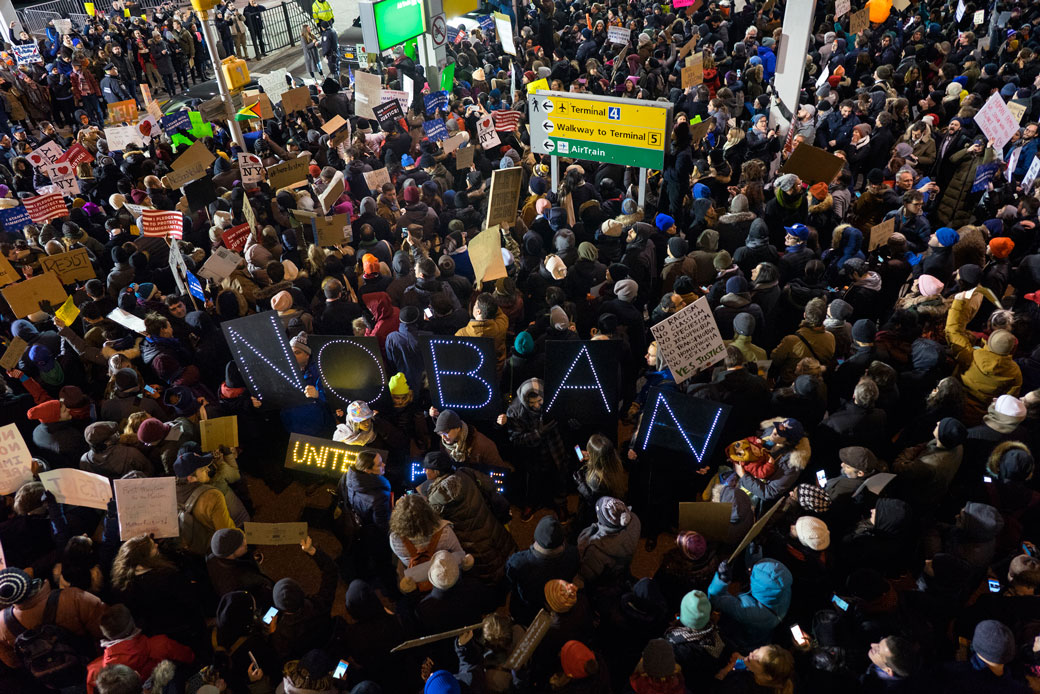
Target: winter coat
748	619
460	499
606	553
140	653
529	570
79	612
954	208
927	470
115	461
369	495
791	350
790	462
496	328
985	375
243	573
387	317
420	213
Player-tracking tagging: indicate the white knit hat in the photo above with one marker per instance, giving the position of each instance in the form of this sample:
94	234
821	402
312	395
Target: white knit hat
444	570
813	533
1010	406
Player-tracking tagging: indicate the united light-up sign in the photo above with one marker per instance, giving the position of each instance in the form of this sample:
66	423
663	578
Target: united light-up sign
322	456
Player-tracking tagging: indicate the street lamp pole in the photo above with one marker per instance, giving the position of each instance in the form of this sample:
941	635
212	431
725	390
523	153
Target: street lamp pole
225	93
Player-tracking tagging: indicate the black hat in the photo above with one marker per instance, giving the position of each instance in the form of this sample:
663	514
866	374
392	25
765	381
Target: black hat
678	247
288	596
409	315
860	458
864	330
876	177
439	461
446	421
548	534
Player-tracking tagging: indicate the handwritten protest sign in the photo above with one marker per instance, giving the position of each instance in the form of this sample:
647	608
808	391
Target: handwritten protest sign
147	507
12	355
880	233
297	99
996	121
8	274
506	185
77	487
67	312
375	179
618	34
454	142
275	533
219	265
332	192
464	158
73	266
24	297
366	93
235	238
15	460
859	21
127	320
192	156
27	53
288	172
251	167
690	340
123	111
330	231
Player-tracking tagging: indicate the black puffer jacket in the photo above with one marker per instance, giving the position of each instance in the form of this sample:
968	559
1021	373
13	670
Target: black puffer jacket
460	499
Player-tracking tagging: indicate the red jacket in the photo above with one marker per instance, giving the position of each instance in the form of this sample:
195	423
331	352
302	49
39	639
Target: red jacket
141	653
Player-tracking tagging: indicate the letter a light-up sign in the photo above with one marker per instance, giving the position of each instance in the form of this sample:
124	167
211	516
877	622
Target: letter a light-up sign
681	423
581	380
462	375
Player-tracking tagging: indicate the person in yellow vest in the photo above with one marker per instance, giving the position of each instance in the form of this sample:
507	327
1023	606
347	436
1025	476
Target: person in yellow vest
321	10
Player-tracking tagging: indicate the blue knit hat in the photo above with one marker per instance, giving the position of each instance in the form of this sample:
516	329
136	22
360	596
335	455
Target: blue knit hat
947	236
145	291
695	610
663	221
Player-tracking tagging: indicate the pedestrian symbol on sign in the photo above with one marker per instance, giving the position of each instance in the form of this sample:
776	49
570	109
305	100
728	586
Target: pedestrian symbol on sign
614	113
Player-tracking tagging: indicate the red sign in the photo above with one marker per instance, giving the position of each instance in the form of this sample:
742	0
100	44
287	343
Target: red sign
162	224
45	207
76	154
235	237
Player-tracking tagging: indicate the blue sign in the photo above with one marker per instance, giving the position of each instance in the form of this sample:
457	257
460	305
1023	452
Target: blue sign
172	122
194	286
614	113
14	219
983	175
435	101
487	23
435	129
453	34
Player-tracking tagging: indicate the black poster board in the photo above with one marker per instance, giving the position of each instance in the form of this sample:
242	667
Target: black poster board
681	423
261	350
322	456
581	382
462	375
387	113
350	367
200	193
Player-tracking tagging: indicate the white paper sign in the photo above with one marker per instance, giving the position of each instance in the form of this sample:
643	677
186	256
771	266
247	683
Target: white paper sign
251	167
841	8
219	265
504	28
119	137
15	460
979	17
996	121
823	76
77	487
404	98
147	507
63	178
45	155
618	34
127	320
486	132
690	340
961	9
1031	174
274	85
366	93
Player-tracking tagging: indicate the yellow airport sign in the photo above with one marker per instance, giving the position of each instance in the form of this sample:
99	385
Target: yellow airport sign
607	133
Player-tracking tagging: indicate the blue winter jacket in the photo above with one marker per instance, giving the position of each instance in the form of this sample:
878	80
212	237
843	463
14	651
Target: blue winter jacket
748	619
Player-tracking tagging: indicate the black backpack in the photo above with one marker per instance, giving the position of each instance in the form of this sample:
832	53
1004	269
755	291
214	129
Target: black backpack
49	651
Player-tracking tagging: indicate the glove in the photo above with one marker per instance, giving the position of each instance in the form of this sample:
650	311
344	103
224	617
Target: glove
724	572
407	585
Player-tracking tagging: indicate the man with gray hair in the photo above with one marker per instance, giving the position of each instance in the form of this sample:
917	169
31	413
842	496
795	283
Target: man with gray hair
858	423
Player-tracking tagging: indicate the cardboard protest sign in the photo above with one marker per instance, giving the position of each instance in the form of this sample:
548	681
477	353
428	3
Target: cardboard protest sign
261	350
996	121
219	265
288	172
297	99
178	178
235	238
147	506
78	487
812	164
859	21
210	110
162	223
700	129
506	186
757	528
366	93
462	374
191	157
689	340
841	8
24	297
375	179
322	456
333	125
219	431
15	459
73	266
127	320
12	355
693	72
14	220
351	368
1018	108
332	192
330	231
275	533
123	112
453	142
485	253
581	379
880	233
464	158
43	208
709	518
7	272
687	47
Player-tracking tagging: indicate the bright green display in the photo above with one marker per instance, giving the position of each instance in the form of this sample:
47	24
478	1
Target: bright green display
398	20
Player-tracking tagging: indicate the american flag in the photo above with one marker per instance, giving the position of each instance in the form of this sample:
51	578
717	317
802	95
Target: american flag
162	224
506	121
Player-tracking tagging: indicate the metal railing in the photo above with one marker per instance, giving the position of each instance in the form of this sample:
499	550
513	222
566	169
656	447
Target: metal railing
283	26
34	19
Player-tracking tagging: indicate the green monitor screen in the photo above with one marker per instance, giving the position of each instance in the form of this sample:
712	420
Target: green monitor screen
398	20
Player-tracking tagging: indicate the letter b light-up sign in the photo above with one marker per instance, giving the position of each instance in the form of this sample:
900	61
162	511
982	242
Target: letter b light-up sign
461	372
681	423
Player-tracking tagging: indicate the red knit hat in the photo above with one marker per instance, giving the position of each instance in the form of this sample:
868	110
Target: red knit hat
577	660
370	264
1001	247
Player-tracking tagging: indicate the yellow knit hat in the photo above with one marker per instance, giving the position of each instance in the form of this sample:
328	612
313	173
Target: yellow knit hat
399	385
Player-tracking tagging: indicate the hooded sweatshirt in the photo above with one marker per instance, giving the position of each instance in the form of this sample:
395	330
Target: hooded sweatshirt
748	619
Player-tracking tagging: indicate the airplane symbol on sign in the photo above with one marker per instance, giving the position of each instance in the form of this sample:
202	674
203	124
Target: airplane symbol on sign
614	113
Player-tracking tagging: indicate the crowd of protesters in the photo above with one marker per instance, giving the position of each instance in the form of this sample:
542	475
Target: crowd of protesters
884	399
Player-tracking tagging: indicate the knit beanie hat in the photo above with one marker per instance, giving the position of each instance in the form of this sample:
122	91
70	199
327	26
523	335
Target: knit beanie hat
560	596
813	533
117	623
695	610
524	343
282	301
744	324
152	431
300	342
145	291
288	595
587	251
442	682
946	236
864	330
612	512
663	221
929	285
399	384
692	544
993	642
370	264
952	432
226	542
839	309
722	260
444	570
548	534
626	289
659	659
15	586
678	247
577	661
1002	342
1001	247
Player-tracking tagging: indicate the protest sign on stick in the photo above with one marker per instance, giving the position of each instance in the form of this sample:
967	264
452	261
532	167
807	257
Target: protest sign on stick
15	460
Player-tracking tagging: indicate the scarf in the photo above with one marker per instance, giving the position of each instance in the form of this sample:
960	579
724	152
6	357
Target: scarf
707	638
795	248
871	280
833	323
345	433
784	202
458	450
108	643
228	393
1000	423
54	377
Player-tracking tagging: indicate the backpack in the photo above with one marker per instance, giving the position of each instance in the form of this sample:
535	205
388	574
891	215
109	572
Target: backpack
194	534
422	556
346	523
48	652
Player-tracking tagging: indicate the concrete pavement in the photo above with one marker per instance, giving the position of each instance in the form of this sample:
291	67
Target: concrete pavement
291	58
